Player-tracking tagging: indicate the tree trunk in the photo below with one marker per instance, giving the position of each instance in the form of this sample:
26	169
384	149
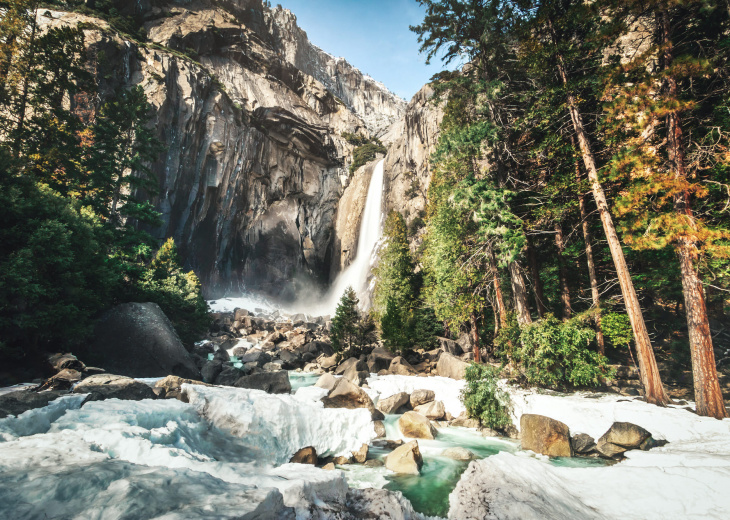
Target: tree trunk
595	294
650	378
564	289
536	280
519	291
24	94
501	309
475	337
708	395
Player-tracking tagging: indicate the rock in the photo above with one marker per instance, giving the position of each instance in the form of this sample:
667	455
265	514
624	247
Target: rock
64	380
458	453
211	370
545	436
240	315
583	444
419	397
451	366
388	444
272	367
355	376
379	429
306	455
329	466
341	461
434	410
406	459
346	395
256	356
109	386
415	425
374	463
65	361
465	421
138	340
327	363
450	346
465	342
393	403
270	382
326	381
239	351
433	355
228	376
399	366
621	437
351	362
171	387
361	455
379	359
15	403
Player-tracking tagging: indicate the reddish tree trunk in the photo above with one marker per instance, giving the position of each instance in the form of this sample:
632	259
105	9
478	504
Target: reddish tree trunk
475	337
708	395
519	292
650	378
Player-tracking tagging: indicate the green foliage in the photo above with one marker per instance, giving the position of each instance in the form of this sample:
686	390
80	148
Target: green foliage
393	327
176	292
616	329
366	152
395	267
343	333
484	399
557	354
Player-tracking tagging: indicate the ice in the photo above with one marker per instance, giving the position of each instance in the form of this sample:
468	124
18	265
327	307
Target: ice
277	426
446	389
38	420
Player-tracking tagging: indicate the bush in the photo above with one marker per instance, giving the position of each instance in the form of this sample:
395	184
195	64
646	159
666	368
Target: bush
483	398
556	354
365	153
617	329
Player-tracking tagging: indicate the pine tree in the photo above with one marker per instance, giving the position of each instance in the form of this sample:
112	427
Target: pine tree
343	333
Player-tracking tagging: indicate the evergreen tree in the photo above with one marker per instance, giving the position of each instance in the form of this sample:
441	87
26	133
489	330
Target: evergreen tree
395	267
343	333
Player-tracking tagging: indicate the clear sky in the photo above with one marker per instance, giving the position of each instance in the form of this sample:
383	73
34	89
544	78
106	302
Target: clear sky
372	35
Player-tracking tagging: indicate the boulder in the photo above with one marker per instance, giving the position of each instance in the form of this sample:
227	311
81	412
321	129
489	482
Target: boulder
355	376
350	362
228	376
15	403
406	459
109	386
434	410
399	366
329	466
374	463
433	355
327	362
450	346
306	455
388	444
137	339
326	381
65	361
393	403
465	421
270	382
451	366
379	429
256	356
415	425
272	367
64	380
620	438
211	370
346	395
465	342
419	397
379	359
458	453
361	455
545	435
583	444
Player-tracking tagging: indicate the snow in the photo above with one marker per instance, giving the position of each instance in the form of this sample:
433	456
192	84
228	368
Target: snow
447	390
687	478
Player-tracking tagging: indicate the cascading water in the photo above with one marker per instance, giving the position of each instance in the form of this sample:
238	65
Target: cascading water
356	274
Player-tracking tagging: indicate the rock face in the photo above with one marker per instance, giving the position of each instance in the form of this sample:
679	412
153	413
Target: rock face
252	122
451	366
405	459
137	339
417	426
545	435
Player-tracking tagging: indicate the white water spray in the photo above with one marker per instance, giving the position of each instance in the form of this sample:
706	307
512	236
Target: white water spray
356	274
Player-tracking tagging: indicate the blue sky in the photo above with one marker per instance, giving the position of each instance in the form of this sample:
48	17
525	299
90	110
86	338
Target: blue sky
372	35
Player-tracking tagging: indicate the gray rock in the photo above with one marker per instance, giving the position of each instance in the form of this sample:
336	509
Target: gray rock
326	381
450	366
393	403
450	346
15	403
351	362
228	376
270	382
399	366
434	410
355	376
620	438
583	444
211	370
545	435
65	361
419	397
256	356
137	339
379	359
110	386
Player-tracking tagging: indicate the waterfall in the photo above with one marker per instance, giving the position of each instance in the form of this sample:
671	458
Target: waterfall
356	274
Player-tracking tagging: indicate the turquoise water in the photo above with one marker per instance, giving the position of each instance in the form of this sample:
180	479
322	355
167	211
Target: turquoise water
301	379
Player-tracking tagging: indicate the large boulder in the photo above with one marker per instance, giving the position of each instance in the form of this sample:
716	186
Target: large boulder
349	363
355	376
256	356
270	382
399	366
172	387
379	359
109	386
65	361
450	366
405	459
137	340
346	395
393	403
306	455
417	426
228	376
15	403
211	370
419	397
458	453
545	435
583	444
620	438
434	410
326	381
450	346
64	380
361	455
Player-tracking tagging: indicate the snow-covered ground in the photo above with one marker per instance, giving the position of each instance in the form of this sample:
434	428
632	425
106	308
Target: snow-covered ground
445	389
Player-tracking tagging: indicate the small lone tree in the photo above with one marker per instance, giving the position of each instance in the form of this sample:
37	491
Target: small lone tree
344	331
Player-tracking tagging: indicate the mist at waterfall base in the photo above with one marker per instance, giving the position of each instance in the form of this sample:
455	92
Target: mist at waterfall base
310	300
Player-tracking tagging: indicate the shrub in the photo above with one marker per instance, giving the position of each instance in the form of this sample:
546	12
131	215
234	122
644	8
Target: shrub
365	153
483	398
617	329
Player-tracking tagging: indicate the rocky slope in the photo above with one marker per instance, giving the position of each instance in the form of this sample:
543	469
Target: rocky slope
251	116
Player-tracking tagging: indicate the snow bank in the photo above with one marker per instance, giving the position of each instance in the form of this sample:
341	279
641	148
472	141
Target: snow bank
38	420
276	426
446	389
